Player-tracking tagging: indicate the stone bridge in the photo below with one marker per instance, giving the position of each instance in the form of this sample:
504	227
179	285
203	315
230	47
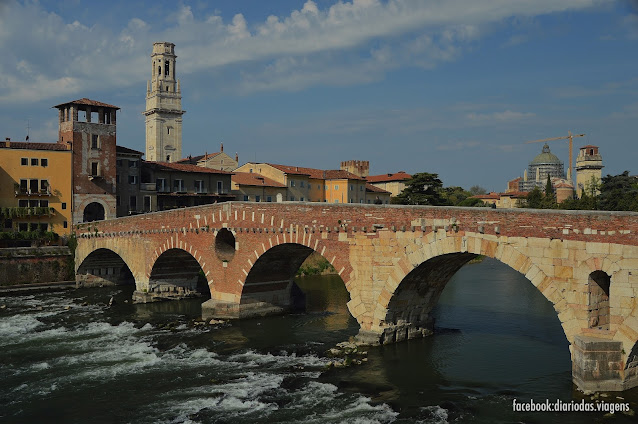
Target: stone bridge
394	261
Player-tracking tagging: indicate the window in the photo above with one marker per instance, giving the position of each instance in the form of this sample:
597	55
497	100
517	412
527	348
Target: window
24	161
360	188
133	203
24	186
166	68
178	185
351	187
95	142
43	227
257	198
34	203
44	162
301	184
336	187
44	186
292	198
220	186
8	223
23	226
34	161
336	200
168	130
147	203
65	224
245	197
269	199
94	169
23	203
33	186
301	199
44	203
132	179
318	186
63	205
168	158
132	163
160	184
199	186
292	183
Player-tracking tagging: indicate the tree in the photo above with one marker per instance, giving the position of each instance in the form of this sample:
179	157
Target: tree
534	199
473	202
549	200
477	189
422	189
619	193
455	195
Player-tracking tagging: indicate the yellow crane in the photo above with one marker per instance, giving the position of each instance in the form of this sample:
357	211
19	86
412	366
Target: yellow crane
571	141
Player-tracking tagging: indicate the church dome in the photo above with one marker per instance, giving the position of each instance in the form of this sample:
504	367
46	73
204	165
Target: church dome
546	157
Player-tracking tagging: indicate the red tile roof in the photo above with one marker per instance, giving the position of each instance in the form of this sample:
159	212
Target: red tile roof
87	102
195	159
319	174
182	167
34	146
588	146
253	179
375	189
122	149
384	178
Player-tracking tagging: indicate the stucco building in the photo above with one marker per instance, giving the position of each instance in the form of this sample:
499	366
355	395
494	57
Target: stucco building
35	187
129	200
589	165
256	188
218	160
391	182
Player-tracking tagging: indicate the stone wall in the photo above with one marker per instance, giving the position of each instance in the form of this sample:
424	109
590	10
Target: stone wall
26	265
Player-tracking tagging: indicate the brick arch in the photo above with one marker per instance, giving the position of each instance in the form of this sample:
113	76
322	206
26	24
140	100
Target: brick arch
459	244
181	245
117	249
110	260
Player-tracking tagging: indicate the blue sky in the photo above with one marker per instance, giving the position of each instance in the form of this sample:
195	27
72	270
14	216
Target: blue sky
453	87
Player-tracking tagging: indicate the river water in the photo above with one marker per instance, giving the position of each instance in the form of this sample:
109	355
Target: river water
66	357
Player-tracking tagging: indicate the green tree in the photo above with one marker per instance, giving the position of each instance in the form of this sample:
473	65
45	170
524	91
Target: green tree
422	189
455	195
472	202
619	193
477	189
534	199
549	199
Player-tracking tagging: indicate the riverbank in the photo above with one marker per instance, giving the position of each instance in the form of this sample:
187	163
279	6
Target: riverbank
28	268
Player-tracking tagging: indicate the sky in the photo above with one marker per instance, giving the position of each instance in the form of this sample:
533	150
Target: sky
453	87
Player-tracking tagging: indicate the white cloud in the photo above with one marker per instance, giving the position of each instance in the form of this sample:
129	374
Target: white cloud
347	43
505	116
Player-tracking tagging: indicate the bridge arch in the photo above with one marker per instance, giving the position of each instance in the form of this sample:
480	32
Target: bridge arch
104	267
404	305
176	272
269	287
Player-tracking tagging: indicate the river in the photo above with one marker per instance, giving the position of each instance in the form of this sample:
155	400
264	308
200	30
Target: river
66	357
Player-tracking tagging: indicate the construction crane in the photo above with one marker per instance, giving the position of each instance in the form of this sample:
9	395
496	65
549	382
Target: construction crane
571	141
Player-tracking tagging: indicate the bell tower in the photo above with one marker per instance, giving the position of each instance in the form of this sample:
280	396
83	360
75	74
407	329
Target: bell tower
163	106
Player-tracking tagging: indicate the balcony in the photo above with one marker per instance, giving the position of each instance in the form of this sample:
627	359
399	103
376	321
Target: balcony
26	212
24	191
149	187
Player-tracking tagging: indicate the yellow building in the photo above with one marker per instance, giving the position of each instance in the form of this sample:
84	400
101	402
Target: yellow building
394	183
312	185
35	186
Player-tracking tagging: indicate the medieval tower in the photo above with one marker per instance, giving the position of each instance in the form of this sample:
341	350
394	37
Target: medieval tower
163	107
589	165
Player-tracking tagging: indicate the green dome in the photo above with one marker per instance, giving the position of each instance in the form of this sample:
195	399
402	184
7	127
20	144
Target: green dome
546	157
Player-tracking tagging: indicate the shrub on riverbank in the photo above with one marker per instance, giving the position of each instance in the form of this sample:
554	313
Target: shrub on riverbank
315	264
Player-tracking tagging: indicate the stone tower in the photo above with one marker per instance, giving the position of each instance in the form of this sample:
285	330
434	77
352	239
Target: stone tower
589	163
163	107
89	127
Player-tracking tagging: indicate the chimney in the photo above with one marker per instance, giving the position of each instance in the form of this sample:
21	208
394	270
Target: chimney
237	158
222	148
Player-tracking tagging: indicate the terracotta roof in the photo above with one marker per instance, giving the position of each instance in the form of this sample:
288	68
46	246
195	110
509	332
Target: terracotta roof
253	179
195	159
317	173
564	185
122	149
382	178
375	189
87	102
182	167
33	146
588	146
487	196
514	194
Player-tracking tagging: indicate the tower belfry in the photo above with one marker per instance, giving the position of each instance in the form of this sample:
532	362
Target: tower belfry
163	107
